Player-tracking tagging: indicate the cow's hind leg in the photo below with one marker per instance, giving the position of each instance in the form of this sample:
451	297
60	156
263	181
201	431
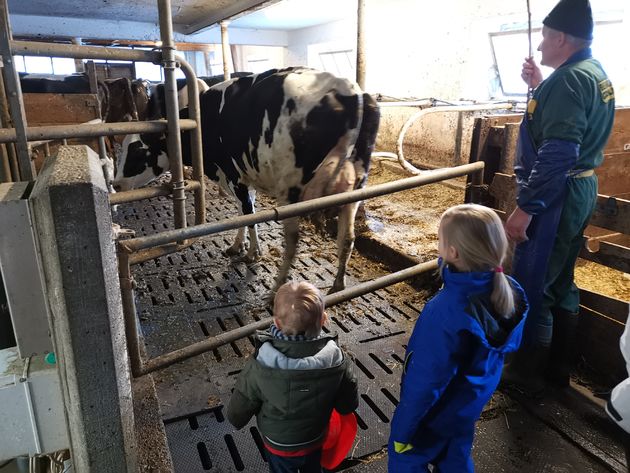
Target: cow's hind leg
345	243
246	200
291	237
237	246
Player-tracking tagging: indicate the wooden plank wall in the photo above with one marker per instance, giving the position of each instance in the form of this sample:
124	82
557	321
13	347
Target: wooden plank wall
602	318
60	109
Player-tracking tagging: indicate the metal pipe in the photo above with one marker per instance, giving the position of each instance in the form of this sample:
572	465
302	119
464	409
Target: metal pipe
426	111
459	134
134	195
15	169
225	49
196	148
300	208
215	342
5	167
407	103
361	43
158	252
34	48
129	313
14	97
173	138
37	133
78	63
5	122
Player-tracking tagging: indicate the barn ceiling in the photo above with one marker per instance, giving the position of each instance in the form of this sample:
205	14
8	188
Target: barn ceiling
189	16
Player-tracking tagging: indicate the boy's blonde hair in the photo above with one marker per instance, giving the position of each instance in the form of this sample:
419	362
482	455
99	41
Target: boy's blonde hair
477	233
299	307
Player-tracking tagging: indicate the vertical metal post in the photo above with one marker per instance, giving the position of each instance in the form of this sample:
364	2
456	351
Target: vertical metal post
361	43
208	62
78	63
196	149
225	47
14	90
457	158
91	72
173	139
5	122
5	167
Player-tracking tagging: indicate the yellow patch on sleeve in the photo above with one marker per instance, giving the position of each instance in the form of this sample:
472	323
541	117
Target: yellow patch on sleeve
531	106
607	91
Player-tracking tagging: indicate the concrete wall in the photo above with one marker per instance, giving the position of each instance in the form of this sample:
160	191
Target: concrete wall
74	228
431	140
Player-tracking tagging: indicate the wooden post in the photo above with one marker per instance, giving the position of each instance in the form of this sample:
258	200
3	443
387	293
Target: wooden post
361	44
225	46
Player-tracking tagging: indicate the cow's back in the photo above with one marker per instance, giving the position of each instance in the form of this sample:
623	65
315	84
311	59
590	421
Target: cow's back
271	131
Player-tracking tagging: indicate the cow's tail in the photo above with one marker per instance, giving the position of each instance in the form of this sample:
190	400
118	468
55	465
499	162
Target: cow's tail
364	146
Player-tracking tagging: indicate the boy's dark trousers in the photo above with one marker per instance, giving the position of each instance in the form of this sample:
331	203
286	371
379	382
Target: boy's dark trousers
305	464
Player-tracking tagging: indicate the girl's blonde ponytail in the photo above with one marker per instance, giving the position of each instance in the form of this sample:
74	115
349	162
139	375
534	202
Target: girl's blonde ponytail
478	235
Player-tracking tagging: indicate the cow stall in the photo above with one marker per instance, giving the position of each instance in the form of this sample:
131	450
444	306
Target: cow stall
185	297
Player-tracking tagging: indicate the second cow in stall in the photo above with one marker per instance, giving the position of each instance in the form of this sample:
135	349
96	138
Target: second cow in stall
294	134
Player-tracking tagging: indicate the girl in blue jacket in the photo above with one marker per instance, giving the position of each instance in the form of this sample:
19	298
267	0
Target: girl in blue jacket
455	354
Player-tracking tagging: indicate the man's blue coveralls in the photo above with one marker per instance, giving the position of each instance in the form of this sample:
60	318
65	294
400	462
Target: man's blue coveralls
561	140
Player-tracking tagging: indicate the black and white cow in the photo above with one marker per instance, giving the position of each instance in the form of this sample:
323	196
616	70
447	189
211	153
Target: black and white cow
294	134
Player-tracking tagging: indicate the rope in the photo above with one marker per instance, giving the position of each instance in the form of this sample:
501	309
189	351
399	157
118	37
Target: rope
530	51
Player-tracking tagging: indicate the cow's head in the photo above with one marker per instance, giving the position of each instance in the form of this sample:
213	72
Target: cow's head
142	159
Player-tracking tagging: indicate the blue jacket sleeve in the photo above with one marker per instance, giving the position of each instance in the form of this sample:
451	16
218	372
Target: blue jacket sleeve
430	364
546	182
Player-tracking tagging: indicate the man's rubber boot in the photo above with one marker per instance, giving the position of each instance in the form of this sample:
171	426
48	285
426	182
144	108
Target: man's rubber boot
525	372
563	348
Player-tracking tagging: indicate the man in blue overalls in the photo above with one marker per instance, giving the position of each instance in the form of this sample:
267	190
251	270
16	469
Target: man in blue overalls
563	133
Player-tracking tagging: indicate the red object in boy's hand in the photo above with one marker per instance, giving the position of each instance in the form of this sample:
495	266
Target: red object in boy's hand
342	429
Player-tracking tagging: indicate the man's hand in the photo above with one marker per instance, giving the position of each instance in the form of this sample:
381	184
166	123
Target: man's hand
531	73
516	225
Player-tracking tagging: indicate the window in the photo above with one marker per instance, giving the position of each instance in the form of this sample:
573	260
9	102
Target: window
338	62
338	58
510	47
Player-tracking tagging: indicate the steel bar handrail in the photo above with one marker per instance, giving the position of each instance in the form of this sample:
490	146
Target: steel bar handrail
133	195
35	48
301	208
173	137
196	148
204	346
37	133
18	120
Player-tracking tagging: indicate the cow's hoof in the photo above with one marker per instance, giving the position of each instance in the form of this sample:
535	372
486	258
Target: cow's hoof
234	250
269	298
336	288
253	258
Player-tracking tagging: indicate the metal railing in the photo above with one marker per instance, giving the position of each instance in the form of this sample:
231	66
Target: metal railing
21	134
172	240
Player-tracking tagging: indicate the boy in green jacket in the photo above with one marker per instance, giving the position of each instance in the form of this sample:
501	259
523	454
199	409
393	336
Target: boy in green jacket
293	381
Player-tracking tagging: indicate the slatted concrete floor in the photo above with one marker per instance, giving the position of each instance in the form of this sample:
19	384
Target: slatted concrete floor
185	297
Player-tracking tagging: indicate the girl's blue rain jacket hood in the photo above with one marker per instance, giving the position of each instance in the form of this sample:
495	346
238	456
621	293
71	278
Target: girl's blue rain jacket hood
454	360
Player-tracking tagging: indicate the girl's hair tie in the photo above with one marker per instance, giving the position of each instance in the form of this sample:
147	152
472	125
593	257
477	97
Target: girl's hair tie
498	269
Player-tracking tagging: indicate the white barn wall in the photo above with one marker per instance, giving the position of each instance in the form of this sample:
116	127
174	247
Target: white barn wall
437	49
